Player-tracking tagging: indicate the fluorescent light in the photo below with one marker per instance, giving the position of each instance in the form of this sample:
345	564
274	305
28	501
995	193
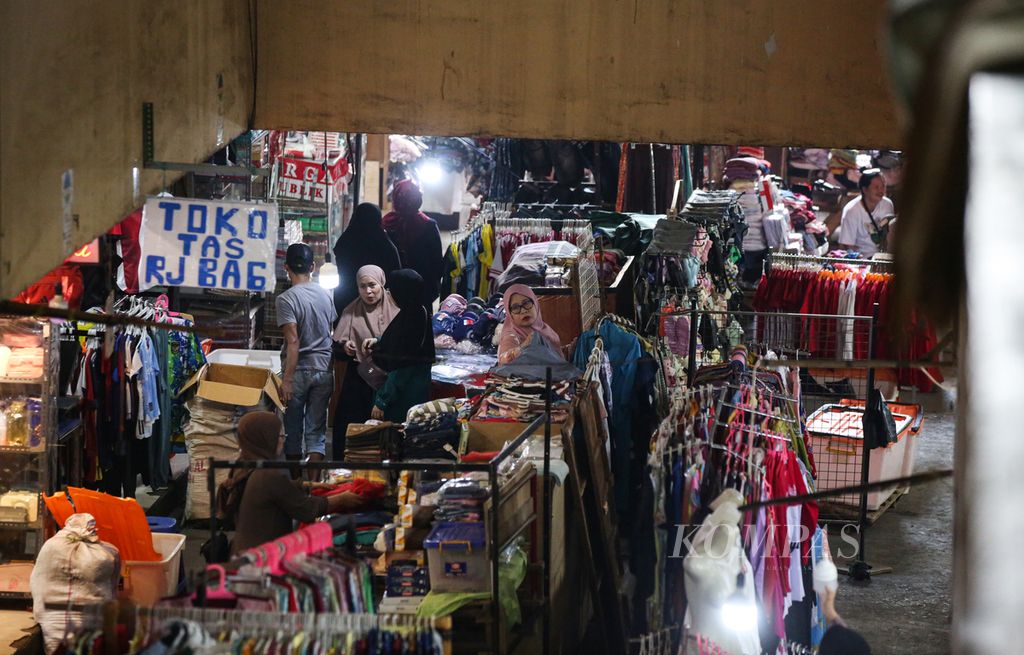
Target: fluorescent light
329	278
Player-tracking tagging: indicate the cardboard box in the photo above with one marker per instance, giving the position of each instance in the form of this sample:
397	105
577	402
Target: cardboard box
220	394
234	385
491	436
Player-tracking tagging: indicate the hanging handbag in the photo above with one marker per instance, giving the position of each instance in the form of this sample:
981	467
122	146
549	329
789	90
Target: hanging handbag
216	549
879	425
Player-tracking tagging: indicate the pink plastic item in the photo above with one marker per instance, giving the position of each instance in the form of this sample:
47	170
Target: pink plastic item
220	592
321	537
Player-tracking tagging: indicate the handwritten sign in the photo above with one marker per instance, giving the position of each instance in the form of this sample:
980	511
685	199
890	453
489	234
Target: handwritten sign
207	243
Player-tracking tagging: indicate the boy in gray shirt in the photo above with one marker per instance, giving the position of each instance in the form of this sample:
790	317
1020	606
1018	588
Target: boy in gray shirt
306	314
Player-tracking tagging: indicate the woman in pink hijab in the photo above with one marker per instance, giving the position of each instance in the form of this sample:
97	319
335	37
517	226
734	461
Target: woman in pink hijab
365	319
522	321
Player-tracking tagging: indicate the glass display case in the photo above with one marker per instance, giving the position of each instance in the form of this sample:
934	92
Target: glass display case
28	384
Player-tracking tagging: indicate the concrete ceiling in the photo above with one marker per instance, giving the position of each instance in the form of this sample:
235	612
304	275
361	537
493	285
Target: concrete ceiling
801	72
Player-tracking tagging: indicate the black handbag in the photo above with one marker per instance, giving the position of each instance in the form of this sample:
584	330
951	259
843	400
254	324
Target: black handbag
216	549
879	425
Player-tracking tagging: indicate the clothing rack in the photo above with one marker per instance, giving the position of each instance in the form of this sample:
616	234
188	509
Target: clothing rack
860	569
70	332
255	623
788	260
659	642
540	206
330	623
491	209
485	216
541	225
490	468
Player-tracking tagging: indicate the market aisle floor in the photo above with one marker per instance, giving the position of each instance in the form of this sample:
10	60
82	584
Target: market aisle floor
908	612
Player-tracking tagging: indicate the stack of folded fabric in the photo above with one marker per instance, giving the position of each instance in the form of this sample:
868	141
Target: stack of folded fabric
808	159
742	168
438	439
841	159
432	431
362	487
461	500
368	442
521	400
801	210
365	525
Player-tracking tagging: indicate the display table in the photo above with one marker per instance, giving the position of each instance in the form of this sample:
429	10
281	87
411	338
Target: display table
455	374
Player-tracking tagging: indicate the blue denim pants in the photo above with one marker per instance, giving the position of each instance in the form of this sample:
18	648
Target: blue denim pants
305	418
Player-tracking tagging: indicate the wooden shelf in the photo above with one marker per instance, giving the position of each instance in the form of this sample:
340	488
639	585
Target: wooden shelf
11	526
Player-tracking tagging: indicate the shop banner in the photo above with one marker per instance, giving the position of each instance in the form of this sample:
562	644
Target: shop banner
304	179
208	244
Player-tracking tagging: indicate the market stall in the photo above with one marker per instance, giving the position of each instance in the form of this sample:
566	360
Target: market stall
666	414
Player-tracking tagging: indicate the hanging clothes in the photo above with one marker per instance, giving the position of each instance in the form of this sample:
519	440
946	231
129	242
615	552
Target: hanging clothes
624	352
130	413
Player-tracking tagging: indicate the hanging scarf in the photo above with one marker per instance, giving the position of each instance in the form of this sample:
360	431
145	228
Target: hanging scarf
409	339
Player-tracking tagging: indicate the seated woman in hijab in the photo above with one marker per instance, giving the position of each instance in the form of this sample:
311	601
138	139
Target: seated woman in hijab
522	322
265	503
405	350
364	319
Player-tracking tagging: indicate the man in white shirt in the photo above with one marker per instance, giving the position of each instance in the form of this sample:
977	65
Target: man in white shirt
866	216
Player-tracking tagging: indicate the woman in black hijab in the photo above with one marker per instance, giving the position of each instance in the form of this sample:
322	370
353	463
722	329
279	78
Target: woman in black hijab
364	242
405	350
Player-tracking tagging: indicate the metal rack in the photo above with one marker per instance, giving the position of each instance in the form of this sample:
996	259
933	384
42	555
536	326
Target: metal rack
495	544
789	261
28	467
832	472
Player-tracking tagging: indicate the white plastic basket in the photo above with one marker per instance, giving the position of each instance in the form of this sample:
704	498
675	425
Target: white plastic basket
147	582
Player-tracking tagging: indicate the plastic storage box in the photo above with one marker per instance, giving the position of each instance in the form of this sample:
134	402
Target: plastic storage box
268	359
457	557
837	437
147	582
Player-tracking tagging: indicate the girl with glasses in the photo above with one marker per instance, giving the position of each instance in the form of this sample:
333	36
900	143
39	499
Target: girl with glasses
522	321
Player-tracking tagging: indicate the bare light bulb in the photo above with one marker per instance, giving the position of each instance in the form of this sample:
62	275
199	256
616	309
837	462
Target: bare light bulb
430	173
329	278
739	612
